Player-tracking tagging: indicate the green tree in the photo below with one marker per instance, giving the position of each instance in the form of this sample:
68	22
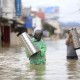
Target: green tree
49	28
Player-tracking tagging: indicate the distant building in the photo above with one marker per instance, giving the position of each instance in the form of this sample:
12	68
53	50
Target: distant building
51	12
38	18
37	23
55	24
8	9
26	11
7	36
40	14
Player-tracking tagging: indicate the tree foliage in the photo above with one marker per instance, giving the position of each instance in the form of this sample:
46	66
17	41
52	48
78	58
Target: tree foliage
49	28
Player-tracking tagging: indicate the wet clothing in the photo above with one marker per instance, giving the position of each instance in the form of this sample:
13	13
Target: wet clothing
71	52
40	57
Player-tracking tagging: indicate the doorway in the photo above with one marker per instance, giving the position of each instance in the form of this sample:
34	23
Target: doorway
5	36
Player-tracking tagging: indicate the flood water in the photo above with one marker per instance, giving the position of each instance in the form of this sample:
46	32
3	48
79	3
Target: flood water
14	65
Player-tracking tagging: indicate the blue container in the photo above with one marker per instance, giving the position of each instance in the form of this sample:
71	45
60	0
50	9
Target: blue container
28	22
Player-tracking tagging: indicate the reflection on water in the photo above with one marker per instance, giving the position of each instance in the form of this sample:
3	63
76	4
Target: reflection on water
73	70
39	71
15	66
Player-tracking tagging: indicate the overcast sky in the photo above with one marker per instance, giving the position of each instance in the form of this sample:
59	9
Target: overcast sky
69	9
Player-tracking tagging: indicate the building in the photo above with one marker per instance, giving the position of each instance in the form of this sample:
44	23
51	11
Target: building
7	36
40	14
38	19
37	23
51	16
8	9
58	31
51	12
26	11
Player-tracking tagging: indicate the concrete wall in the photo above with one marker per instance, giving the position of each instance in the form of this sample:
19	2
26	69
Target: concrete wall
55	24
8	9
37	23
14	40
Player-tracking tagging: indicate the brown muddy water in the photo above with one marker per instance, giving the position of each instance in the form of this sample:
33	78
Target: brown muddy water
14	65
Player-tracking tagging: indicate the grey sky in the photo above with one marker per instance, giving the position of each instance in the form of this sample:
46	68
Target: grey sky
69	9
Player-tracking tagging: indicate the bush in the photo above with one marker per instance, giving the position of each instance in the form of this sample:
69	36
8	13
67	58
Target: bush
49	28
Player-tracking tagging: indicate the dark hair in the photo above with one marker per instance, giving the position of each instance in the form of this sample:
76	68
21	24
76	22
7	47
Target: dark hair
38	32
68	31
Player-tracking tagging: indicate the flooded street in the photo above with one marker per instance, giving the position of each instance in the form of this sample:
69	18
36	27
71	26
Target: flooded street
14	65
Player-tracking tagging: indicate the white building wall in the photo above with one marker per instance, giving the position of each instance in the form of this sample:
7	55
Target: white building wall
37	24
14	40
8	9
55	24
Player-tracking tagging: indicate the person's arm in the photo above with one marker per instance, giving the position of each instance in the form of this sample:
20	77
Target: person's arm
69	39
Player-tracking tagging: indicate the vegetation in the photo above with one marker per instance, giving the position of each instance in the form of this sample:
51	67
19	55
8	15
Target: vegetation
49	28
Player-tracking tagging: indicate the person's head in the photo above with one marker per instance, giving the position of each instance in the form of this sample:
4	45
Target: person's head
38	35
69	33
